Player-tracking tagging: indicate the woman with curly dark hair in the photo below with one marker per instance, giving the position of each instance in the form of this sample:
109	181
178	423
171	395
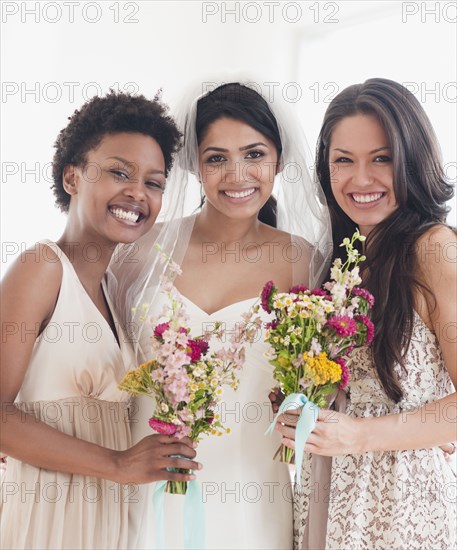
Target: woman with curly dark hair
65	423
379	164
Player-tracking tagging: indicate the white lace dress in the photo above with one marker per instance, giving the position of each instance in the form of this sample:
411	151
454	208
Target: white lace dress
389	500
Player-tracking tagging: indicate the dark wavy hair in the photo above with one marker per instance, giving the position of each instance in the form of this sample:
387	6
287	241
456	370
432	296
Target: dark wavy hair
116	112
421	192
239	102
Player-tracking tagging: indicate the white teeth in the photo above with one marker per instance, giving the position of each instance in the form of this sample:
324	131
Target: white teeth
125	215
239	194
366	198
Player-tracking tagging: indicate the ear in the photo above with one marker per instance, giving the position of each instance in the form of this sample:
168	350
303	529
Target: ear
69	178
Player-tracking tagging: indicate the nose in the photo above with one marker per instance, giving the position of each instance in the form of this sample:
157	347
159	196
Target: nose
363	174
136	190
232	172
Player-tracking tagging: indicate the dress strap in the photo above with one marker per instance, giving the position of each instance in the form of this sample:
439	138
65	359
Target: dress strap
64	260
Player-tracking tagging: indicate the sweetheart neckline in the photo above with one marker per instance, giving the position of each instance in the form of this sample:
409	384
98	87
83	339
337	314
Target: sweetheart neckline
217	310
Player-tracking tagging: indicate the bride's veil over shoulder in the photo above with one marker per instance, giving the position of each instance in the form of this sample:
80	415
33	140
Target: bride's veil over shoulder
135	270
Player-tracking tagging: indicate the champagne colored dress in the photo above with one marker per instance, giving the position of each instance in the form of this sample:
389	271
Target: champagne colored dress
71	384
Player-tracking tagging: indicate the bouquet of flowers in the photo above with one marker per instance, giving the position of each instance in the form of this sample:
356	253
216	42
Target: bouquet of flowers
314	332
184	377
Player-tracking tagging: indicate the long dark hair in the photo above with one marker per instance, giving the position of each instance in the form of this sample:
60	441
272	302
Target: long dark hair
239	102
421	191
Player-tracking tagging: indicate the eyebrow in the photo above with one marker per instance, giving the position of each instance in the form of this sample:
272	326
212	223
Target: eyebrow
132	164
370	152
221	150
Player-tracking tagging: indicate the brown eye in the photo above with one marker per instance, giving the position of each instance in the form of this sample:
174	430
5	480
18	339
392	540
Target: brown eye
342	159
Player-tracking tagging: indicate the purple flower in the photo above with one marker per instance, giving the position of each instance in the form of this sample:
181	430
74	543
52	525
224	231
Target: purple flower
160	329
363	293
343	325
164	428
271	325
320	292
298	288
344	372
369	328
266	296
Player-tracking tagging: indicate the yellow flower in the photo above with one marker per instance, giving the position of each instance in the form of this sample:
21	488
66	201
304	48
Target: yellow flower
219	391
213	432
228	430
322	370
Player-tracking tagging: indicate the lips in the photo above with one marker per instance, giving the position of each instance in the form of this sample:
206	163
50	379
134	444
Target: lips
129	213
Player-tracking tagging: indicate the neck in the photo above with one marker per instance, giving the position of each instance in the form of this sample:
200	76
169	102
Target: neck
220	228
89	257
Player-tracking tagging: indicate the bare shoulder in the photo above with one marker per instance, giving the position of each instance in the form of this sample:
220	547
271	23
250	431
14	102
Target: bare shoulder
35	275
437	246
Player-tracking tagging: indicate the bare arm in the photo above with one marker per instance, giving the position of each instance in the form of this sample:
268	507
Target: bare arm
28	295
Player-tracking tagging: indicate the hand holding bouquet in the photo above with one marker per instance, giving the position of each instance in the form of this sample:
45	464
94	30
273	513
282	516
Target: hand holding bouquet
313	334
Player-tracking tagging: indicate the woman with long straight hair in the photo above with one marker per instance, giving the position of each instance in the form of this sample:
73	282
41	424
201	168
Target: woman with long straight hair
379	164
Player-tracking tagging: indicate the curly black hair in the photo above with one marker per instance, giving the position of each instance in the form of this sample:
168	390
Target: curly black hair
113	113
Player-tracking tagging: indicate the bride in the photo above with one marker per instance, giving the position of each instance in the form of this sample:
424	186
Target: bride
240	238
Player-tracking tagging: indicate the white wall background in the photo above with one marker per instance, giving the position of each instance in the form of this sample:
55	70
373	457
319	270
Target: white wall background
57	55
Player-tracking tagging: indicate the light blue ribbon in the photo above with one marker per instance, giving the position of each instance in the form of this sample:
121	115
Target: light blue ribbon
305	425
194	516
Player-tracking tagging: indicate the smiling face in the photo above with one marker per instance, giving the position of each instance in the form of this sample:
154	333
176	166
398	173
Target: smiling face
361	171
237	165
117	194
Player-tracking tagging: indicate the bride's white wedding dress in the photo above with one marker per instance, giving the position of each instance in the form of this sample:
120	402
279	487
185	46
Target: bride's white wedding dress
247	495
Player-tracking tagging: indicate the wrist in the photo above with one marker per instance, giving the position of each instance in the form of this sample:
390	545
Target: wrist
111	465
365	435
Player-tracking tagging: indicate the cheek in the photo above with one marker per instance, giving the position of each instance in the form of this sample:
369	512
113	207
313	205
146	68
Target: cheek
255	172
210	174
155	203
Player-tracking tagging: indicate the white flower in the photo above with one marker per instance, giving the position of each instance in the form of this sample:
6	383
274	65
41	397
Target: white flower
315	347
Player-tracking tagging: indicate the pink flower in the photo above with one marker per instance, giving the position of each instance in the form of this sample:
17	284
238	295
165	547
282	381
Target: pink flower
363	293
164	428
195	349
271	325
344	373
160	329
343	325
266	296
297	289
369	328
